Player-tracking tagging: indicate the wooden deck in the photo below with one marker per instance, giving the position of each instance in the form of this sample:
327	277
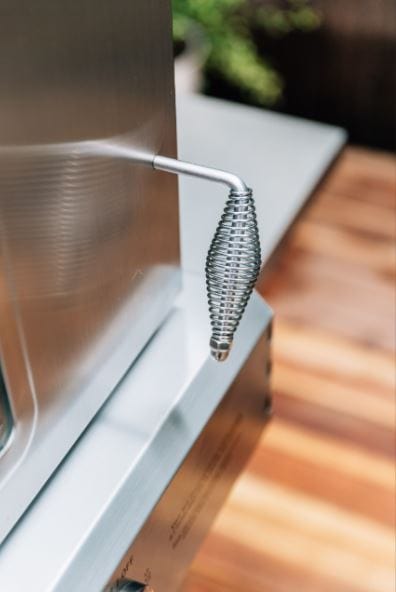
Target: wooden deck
314	510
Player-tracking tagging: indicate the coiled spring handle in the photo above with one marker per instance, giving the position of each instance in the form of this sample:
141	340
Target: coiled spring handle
234	258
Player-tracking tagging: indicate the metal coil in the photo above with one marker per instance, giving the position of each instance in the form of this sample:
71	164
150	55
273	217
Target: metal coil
232	267
234	259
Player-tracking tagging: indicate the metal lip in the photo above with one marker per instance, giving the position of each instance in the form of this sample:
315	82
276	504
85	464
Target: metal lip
151	415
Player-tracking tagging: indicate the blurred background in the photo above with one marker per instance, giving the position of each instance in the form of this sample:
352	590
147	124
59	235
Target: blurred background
315	509
327	60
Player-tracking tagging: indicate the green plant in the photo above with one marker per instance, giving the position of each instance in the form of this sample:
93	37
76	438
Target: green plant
228	27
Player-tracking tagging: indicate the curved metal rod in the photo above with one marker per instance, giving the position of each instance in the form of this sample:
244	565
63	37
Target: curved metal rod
172	165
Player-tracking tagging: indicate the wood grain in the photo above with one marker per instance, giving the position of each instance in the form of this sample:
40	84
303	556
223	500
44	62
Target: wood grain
315	509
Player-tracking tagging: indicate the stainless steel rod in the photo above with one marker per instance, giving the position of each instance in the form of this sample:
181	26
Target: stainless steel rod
172	165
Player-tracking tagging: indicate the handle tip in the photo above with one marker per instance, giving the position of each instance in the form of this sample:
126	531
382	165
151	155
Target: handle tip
219	350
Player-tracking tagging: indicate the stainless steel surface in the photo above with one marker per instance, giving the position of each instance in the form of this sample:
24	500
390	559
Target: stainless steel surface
234	259
166	545
80	526
88	241
282	157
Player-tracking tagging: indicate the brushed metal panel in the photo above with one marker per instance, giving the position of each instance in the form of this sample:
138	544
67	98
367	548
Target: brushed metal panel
114	476
163	550
88	242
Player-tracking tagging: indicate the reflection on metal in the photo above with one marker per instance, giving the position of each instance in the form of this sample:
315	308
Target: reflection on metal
5	416
88	268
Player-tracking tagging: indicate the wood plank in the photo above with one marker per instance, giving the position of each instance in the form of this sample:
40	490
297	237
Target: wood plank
335	295
339	472
378	255
363	217
315	509
364	175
